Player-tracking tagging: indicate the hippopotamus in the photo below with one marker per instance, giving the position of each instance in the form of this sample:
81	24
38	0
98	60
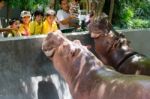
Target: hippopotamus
87	76
114	49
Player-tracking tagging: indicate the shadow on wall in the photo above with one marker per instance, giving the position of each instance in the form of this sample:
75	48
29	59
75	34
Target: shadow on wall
47	90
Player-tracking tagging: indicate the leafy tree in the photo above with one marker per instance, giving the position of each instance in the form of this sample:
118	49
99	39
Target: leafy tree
26	4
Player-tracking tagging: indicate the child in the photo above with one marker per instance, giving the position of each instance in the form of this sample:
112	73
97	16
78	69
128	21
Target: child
74	8
14	26
36	26
49	24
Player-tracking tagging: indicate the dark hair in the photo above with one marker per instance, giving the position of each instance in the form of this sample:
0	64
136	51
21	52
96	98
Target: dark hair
77	0
38	12
60	1
1	0
11	22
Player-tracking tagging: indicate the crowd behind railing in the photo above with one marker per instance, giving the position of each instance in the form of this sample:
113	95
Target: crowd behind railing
44	22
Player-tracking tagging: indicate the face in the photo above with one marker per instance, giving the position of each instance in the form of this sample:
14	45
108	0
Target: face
103	41
61	51
50	18
26	19
2	3
15	25
51	42
38	18
64	5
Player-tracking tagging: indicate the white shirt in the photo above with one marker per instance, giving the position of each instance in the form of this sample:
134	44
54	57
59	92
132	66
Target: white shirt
61	15
1	34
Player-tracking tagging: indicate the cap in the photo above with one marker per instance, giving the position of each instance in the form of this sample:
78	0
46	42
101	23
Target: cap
50	12
25	13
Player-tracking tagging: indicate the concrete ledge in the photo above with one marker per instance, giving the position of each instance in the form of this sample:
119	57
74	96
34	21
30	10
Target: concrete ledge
26	73
140	39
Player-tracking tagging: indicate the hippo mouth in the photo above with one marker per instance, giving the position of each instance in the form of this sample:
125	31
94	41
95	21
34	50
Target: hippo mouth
52	42
50	53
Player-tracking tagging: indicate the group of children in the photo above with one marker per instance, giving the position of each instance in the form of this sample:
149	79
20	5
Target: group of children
39	22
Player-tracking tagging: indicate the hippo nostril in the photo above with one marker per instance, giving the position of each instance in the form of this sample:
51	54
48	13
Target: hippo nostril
65	45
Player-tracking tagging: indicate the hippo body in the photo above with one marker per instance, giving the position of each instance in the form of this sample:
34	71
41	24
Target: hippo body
88	77
114	49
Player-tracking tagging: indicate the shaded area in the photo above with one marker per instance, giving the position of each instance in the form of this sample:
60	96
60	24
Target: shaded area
47	90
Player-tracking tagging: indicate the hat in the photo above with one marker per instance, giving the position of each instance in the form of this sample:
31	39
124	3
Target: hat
25	13
50	12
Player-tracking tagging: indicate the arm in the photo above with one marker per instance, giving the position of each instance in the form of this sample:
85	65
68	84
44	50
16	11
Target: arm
5	29
63	17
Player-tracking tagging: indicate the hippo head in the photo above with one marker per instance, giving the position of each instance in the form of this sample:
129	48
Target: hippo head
99	27
51	42
68	57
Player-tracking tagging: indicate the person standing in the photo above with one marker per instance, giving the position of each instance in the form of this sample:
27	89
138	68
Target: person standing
65	19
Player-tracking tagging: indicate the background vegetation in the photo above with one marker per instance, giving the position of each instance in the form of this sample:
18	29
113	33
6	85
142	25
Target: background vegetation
130	13
126	14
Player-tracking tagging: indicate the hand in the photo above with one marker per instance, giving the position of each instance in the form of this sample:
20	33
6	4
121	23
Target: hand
72	17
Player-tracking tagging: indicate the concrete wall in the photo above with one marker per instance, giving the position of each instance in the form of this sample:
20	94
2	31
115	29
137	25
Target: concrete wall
140	39
26	73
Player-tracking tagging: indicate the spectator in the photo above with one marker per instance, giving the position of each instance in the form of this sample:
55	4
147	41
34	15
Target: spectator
65	19
50	24
14	26
2	3
74	8
36	26
24	27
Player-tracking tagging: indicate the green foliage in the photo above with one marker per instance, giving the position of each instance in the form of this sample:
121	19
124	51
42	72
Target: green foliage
127	14
132	14
26	4
143	10
139	23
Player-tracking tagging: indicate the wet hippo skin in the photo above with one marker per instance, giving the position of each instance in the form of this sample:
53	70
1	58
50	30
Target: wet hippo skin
114	49
88	77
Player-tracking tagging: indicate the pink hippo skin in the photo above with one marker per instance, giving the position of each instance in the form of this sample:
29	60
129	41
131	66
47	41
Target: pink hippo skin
88	77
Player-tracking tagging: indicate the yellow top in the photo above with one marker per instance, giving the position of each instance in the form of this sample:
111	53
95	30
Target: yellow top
24	30
14	33
47	28
36	28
